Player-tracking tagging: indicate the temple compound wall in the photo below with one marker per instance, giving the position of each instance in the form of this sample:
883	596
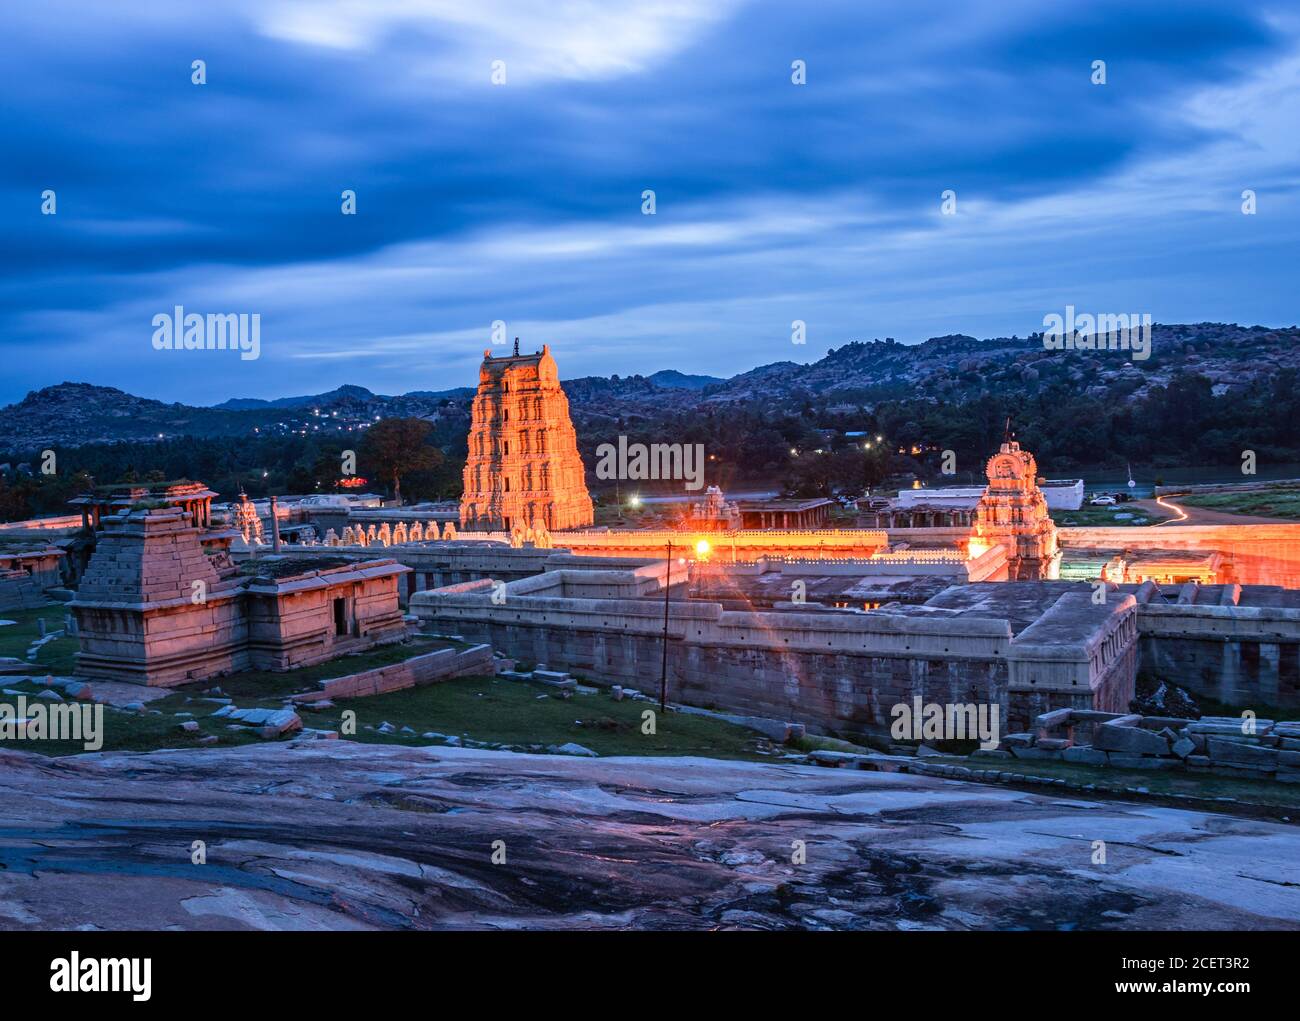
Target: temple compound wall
1250	554
1232	643
153	608
836	671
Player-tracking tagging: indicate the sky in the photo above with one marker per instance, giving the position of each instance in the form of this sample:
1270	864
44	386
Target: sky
520	200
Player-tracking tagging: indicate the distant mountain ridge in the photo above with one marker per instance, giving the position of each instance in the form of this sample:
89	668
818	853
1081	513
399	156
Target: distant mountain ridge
954	368
248	403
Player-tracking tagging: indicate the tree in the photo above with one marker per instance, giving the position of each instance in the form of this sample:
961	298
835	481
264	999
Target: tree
394	447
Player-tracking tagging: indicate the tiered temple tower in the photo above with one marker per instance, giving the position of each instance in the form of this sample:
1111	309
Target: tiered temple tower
1013	512
523	466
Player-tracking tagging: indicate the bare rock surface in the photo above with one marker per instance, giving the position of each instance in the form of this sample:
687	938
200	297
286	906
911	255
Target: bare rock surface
340	835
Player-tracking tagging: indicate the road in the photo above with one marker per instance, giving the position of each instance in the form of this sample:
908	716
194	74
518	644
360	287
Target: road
1184	514
342	835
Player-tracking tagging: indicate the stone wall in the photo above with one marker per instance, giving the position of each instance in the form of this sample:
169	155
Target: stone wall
835	671
1239	655
440	665
1252	554
24	577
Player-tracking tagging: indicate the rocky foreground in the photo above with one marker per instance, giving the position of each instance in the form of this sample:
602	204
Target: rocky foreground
340	835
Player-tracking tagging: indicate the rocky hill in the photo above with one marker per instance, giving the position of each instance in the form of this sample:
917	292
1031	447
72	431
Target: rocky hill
949	369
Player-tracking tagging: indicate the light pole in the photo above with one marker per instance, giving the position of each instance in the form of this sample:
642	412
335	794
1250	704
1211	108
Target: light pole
663	673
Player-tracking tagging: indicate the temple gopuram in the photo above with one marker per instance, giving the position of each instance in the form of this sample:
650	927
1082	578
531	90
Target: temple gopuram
523	468
1013	513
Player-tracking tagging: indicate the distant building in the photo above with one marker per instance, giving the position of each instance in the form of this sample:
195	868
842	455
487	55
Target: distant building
789	514
523	466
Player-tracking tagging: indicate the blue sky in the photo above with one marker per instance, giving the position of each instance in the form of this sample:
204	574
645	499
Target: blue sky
521	202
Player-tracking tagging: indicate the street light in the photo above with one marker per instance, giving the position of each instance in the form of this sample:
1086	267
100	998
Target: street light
663	673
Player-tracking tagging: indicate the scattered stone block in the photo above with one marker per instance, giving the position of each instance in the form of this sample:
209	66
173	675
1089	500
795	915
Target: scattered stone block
1055	718
1245	754
1084	755
1017	740
314	734
1111	737
1120	761
1035	753
189	726
570	748
1053	744
1183	747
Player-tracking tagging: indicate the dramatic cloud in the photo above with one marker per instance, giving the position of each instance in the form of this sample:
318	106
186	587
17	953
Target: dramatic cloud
522	201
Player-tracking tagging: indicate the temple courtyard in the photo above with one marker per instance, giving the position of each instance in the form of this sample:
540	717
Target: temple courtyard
338	834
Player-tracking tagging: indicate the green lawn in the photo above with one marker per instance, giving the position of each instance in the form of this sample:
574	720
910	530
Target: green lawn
1271	503
1093	517
138	732
485	709
55	657
511	712
1157	781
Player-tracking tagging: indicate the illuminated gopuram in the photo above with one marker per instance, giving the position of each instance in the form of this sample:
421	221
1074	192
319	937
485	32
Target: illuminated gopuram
1013	513
523	466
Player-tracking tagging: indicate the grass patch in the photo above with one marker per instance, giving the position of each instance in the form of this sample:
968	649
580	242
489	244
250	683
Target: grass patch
1269	503
1098	517
486	709
1212	707
511	713
1157	781
156	728
16	638
58	656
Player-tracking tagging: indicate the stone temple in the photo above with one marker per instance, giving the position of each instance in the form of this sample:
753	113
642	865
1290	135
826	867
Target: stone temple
523	467
1013	513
